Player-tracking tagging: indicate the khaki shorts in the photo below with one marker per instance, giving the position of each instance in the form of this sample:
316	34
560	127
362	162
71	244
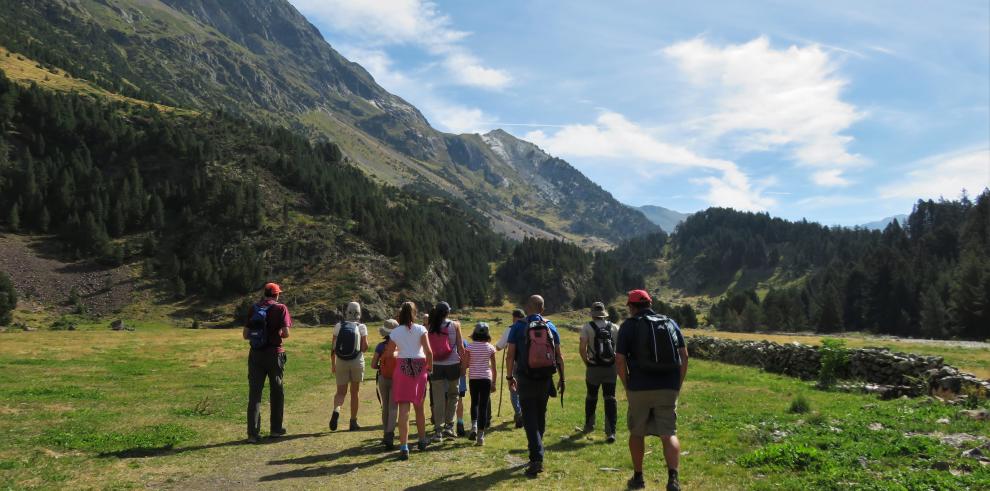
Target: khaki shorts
652	412
350	371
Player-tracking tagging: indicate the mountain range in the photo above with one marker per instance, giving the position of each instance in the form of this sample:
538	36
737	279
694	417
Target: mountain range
882	223
262	59
665	218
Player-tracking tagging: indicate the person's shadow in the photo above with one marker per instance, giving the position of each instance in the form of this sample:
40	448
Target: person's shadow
143	452
472	480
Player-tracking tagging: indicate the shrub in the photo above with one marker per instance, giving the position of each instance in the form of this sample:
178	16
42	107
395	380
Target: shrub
835	359
785	456
799	405
8	299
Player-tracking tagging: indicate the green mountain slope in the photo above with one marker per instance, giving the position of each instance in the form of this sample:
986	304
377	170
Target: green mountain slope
262	59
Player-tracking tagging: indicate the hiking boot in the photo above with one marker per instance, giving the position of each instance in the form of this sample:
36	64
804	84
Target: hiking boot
437	438
473	435
460	428
422	444
404	454
253	439
389	440
588	428
534	469
673	485
354	425
333	421
610	438
481	439
518	421
636	482
449	432
277	433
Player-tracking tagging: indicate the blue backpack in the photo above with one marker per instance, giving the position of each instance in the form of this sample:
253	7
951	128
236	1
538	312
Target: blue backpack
348	341
258	327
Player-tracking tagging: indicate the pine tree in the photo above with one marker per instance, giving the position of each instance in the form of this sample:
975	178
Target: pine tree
934	316
8	299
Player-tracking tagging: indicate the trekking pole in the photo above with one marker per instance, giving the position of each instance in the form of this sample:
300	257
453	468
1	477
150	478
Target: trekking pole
501	386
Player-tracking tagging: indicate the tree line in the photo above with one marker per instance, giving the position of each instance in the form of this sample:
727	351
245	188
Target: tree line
201	199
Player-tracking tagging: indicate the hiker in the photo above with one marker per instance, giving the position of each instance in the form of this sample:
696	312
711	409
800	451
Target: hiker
384	361
446	343
517	315
651	360
350	341
414	363
482	368
598	340
533	356
268	324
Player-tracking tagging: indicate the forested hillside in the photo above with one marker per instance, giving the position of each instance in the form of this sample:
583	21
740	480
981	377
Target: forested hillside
929	277
208	201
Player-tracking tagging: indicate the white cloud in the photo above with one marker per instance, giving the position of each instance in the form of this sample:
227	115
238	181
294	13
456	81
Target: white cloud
762	98
614	137
407	22
944	175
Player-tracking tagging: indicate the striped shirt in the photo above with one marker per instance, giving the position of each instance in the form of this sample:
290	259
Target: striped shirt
481	353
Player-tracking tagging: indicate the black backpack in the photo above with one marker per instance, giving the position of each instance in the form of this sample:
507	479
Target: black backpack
602	346
258	327
656	345
348	341
538	358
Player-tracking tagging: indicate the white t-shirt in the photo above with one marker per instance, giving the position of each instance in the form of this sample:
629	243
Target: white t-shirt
504	340
409	341
588	334
362	330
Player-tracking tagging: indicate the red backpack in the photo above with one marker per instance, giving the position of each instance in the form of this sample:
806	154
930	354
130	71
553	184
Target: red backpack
540	358
440	342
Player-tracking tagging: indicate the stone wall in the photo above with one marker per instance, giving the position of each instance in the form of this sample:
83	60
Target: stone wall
907	373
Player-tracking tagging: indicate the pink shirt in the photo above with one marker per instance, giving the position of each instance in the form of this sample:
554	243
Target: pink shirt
481	354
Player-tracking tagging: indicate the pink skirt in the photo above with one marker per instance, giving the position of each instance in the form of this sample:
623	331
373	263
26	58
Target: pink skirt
409	380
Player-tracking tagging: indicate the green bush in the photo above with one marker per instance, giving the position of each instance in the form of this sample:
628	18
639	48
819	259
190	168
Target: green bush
8	299
799	405
835	359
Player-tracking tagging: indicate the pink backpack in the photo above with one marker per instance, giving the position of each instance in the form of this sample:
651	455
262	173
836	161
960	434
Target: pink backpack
440	342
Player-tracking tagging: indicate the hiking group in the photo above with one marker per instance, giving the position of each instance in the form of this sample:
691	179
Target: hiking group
414	361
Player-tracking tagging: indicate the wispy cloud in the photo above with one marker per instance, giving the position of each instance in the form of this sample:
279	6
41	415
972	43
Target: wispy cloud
612	137
943	175
408	22
765	99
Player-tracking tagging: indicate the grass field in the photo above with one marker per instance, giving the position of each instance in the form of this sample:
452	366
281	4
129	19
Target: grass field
163	407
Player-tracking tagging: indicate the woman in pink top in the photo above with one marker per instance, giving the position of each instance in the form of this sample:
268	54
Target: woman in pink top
480	362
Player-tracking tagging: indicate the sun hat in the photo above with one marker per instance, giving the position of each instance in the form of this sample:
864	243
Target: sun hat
598	310
387	328
353	312
480	331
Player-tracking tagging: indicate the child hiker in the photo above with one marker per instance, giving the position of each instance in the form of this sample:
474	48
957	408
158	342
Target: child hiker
480	362
384	362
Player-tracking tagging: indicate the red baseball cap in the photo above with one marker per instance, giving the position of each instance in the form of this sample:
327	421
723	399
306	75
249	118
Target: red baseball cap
273	288
639	296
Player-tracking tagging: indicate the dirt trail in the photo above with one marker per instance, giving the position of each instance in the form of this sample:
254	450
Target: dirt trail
40	275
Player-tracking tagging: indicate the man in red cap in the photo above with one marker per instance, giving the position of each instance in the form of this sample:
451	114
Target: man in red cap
268	323
651	360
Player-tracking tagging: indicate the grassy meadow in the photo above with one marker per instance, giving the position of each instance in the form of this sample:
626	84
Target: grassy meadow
163	407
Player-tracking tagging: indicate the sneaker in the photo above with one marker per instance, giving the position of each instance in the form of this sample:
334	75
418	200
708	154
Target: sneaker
389	441
437	438
610	438
460	428
534	469
636	482
519	421
333	421
422	445
354	425
253	439
404	454
481	439
277	433
449	432
588	427
673	485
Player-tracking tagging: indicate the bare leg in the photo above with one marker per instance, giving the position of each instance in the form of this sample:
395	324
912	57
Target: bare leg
355	387
338	398
671	451
404	422
637	447
420	420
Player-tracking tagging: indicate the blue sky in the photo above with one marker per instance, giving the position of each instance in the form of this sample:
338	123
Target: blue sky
835	111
